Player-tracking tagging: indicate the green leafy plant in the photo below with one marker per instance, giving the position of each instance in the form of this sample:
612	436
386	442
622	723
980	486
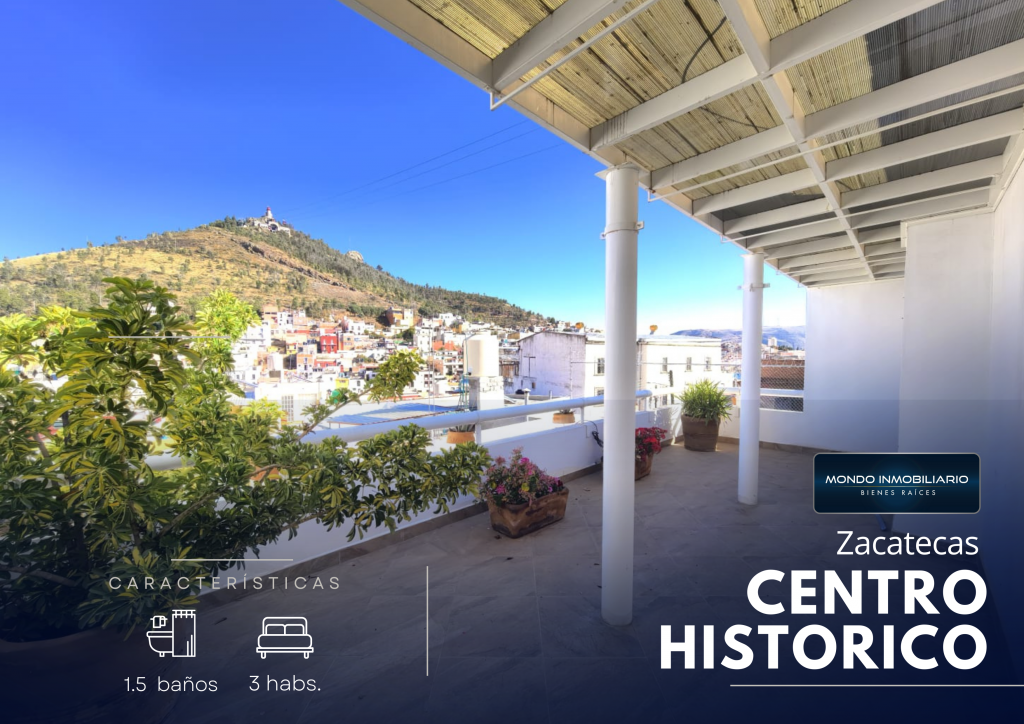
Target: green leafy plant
79	504
706	400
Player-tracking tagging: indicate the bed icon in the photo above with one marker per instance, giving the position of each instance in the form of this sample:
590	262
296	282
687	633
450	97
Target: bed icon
284	635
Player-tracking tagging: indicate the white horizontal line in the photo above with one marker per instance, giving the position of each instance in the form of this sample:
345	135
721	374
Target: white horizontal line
250	560
164	336
877	686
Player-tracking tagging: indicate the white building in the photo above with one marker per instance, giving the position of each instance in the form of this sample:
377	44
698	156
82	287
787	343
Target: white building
572	364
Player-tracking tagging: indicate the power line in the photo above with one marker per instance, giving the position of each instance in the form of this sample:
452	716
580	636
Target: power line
367	191
464	175
409	168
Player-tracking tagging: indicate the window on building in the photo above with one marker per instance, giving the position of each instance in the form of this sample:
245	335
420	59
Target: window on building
288	405
664	365
600	366
598	391
689	364
533	385
707	364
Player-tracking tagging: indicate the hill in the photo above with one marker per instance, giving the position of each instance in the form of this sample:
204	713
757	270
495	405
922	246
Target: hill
260	266
789	336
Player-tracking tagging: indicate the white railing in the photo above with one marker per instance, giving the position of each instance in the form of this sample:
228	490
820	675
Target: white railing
452	419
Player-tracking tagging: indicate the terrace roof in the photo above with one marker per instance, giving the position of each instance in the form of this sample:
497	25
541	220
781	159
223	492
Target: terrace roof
806	129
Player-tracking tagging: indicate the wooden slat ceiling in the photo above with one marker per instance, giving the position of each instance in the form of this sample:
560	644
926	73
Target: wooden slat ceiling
648	55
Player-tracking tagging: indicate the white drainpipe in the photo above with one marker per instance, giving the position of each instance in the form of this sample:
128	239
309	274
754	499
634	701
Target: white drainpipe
750	387
619	394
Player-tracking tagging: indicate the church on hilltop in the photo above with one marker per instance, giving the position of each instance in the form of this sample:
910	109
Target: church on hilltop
267	222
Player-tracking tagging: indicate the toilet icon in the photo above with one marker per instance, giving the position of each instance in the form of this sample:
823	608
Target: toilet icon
179	640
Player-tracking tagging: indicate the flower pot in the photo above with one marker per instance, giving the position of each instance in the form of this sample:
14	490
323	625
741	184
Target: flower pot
455	437
517	520
699	435
564	418
81	679
642	468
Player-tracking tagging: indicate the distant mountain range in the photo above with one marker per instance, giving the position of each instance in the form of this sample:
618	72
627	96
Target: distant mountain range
789	336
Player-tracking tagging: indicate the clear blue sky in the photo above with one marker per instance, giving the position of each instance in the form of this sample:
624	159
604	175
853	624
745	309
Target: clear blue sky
122	118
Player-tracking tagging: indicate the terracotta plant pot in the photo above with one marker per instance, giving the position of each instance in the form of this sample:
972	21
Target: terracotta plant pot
564	418
642	469
515	521
455	437
699	435
81	679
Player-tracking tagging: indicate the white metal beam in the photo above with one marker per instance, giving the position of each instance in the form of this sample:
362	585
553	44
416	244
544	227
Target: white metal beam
808	247
832	276
852	279
716	83
1011	160
1000	125
927	207
985	168
845	23
777	216
754	192
971	72
850	264
890	247
750	28
788	236
843	255
869	236
760	144
568	22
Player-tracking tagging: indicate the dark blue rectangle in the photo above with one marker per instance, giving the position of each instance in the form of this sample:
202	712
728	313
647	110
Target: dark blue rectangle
897	483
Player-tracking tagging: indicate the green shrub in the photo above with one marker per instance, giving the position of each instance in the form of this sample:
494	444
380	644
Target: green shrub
706	400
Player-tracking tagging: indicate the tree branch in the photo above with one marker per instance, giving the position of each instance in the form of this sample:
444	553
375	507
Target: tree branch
51	577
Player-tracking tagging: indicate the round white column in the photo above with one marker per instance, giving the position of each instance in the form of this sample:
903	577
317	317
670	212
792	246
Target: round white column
750	387
619	395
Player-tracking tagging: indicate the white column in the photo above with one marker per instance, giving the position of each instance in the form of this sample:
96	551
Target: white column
750	387
619	394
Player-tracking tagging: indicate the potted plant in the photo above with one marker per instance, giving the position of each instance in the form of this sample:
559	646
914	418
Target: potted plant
80	507
648	444
705	405
522	498
565	416
461	434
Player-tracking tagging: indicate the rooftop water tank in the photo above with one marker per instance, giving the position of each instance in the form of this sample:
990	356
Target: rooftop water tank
482	356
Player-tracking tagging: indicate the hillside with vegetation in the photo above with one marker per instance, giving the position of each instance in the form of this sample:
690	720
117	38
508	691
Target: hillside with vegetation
295	271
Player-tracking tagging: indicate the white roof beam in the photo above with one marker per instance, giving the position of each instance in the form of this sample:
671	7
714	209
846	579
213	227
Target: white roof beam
1011	160
885	233
974	171
854	265
787	236
840	25
751	31
949	139
849	21
808	247
842	255
927	207
760	144
754	192
778	216
834	282
972	72
884	249
834	276
716	83
568	22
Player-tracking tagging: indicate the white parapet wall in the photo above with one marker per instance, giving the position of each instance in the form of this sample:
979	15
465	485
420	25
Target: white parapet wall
558	450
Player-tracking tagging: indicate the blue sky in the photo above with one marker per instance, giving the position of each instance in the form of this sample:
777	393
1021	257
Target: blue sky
122	118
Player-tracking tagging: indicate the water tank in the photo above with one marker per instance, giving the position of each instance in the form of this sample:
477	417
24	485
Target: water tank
482	356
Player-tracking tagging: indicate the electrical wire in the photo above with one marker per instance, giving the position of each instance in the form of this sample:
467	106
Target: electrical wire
368	191
407	168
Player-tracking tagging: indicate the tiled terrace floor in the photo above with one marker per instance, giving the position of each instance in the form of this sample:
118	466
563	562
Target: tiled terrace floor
515	626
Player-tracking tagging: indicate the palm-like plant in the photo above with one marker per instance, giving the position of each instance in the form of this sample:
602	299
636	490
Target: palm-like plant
706	400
